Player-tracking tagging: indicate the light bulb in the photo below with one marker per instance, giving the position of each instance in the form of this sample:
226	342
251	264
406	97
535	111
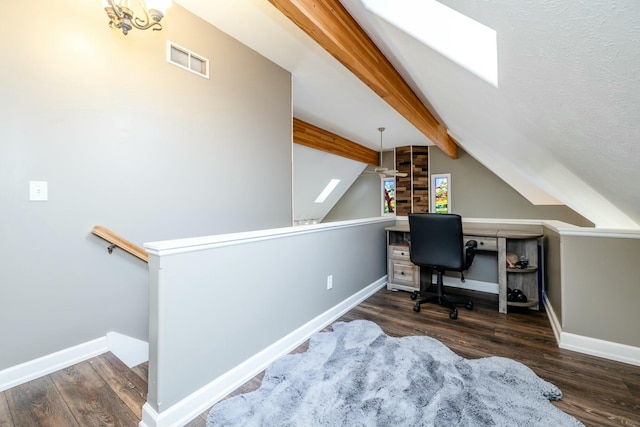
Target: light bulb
159	5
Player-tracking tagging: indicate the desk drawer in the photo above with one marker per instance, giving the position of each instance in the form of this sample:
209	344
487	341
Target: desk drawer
484	243
399	252
404	273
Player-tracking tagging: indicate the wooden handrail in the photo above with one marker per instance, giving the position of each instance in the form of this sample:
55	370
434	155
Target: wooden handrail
117	241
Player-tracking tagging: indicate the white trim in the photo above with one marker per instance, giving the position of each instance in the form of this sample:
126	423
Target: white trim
559	227
600	232
553	319
130	350
600	348
149	416
592	346
53	362
199	401
193	244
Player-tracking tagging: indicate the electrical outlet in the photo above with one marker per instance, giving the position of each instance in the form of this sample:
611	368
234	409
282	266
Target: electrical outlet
330	281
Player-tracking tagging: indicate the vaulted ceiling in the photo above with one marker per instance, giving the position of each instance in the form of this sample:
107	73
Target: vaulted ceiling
562	126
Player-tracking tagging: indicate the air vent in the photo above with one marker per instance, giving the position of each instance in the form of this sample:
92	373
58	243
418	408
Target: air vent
187	60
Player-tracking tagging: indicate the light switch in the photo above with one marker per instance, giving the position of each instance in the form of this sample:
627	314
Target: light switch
38	191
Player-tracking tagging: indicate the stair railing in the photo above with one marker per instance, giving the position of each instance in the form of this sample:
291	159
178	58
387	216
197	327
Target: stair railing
119	242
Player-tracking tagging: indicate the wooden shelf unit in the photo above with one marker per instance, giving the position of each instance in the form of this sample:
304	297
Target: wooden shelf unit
524	279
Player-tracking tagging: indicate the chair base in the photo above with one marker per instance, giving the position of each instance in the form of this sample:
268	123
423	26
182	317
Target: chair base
440	298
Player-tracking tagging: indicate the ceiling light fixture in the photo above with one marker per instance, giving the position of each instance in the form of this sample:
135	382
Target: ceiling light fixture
121	15
386	171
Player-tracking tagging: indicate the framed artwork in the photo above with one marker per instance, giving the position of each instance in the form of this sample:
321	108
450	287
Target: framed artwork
440	193
388	196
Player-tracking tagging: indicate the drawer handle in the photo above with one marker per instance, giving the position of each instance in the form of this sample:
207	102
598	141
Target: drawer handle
401	253
481	243
402	273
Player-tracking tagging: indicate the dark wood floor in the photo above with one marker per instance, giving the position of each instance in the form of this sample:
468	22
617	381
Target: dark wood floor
104	392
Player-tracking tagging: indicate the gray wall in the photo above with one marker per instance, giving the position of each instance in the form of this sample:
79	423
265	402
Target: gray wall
476	193
364	197
362	200
207	300
601	288
479	193
130	142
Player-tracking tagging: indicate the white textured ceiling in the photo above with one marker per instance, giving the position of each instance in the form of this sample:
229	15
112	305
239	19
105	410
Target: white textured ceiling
563	126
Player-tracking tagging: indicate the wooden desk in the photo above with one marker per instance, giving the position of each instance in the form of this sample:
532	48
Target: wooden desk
404	275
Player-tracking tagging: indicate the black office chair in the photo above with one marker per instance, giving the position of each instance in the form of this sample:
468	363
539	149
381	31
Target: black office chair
437	244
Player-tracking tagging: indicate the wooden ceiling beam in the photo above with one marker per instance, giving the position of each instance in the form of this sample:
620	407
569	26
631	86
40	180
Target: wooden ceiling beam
312	136
331	26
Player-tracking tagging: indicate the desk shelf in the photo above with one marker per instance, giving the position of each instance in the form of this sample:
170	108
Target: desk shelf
530	303
523	279
522	270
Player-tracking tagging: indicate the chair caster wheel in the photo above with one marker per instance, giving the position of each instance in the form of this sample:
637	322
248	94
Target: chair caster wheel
453	315
469	305
416	308
414	295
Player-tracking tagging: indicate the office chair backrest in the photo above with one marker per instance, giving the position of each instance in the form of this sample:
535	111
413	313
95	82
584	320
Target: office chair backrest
437	241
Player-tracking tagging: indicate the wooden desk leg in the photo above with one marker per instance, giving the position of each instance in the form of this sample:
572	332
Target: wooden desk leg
502	274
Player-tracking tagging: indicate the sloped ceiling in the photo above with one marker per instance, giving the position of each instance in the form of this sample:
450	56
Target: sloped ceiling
312	171
563	125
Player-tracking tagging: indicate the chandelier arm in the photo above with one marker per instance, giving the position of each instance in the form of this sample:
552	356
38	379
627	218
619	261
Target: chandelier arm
142	24
156	26
123	18
117	10
145	25
147	22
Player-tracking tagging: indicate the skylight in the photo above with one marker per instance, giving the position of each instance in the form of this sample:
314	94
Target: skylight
327	190
454	35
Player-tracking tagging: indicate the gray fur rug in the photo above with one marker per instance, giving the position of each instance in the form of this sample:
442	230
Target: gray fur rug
358	376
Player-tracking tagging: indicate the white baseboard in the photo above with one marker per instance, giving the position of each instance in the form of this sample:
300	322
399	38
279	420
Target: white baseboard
473	285
197	402
600	348
553	319
130	350
592	346
53	362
